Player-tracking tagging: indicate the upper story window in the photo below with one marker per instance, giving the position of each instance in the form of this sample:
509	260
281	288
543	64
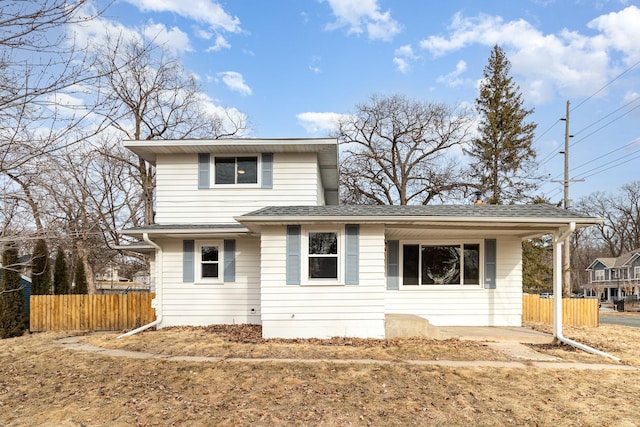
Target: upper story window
447	264
236	170
636	272
599	274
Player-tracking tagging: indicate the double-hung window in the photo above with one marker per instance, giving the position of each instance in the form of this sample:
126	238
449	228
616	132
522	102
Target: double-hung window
441	264
323	255
236	170
636	272
209	262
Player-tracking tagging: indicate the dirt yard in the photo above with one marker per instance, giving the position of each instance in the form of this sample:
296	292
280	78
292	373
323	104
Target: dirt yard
43	384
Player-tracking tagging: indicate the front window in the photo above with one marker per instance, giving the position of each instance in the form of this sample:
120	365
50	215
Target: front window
451	264
323	255
599	275
209	262
236	170
636	272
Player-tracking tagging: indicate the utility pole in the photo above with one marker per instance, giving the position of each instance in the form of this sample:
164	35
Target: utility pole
566	256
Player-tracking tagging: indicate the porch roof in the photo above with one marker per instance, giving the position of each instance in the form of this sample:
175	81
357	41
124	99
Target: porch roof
522	220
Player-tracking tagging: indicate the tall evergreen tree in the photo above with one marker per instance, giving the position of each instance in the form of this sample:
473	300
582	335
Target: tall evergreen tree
61	284
40	269
503	156
11	298
80	278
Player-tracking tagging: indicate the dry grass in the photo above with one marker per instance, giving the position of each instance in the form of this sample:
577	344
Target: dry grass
619	341
41	384
245	341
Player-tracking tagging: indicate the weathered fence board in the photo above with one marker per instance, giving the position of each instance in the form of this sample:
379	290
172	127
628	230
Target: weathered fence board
90	312
575	311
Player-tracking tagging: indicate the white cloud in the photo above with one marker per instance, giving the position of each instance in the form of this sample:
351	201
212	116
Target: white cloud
313	66
401	64
205	11
235	82
220	43
358	15
174	39
403	57
453	78
94	32
567	62
316	123
231	117
621	31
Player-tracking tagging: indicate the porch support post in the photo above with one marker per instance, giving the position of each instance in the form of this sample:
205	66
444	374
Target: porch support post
557	286
559	238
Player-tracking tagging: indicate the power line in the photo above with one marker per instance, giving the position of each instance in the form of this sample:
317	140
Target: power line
605	125
606	85
603	167
604	117
548	157
628	144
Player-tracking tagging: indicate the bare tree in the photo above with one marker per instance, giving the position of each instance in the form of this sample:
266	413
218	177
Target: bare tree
38	62
147	95
401	151
620	231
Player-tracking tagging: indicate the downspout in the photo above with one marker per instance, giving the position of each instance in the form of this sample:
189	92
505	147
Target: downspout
157	301
558	239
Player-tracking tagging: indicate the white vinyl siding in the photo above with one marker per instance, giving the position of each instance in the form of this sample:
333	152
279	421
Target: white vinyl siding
469	305
290	311
200	304
179	201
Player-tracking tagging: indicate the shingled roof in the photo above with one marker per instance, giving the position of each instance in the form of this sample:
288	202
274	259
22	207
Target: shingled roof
535	211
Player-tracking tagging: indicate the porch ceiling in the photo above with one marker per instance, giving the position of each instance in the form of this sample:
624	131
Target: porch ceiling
441	231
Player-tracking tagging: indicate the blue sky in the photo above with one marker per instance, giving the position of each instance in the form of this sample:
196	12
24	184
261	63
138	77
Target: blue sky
294	66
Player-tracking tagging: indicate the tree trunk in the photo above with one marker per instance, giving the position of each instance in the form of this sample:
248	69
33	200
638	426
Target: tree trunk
83	254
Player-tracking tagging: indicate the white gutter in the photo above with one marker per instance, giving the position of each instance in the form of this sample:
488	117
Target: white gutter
558	240
157	301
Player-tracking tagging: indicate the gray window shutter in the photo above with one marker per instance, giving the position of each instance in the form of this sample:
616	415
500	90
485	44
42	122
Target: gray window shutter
229	260
188	261
352	256
490	263
393	265
267	170
204	170
293	255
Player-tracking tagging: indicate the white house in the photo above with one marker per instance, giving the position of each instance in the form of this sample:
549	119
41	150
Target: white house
250	231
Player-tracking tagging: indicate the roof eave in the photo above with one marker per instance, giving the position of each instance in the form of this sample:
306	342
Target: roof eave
187	232
415	220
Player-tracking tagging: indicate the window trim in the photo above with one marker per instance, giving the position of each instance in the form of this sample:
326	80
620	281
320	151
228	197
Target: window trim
212	167
598	275
199	244
636	272
450	242
305	256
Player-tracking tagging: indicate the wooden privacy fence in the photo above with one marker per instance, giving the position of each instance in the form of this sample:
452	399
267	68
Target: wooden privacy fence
575	311
90	312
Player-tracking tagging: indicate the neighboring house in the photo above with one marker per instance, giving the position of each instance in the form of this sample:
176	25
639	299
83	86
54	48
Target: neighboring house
250	231
615	277
142	276
110	273
25	283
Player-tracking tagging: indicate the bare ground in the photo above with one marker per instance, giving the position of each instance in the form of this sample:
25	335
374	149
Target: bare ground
42	384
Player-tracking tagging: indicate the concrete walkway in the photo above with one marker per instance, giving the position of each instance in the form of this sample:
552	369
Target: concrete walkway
526	358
